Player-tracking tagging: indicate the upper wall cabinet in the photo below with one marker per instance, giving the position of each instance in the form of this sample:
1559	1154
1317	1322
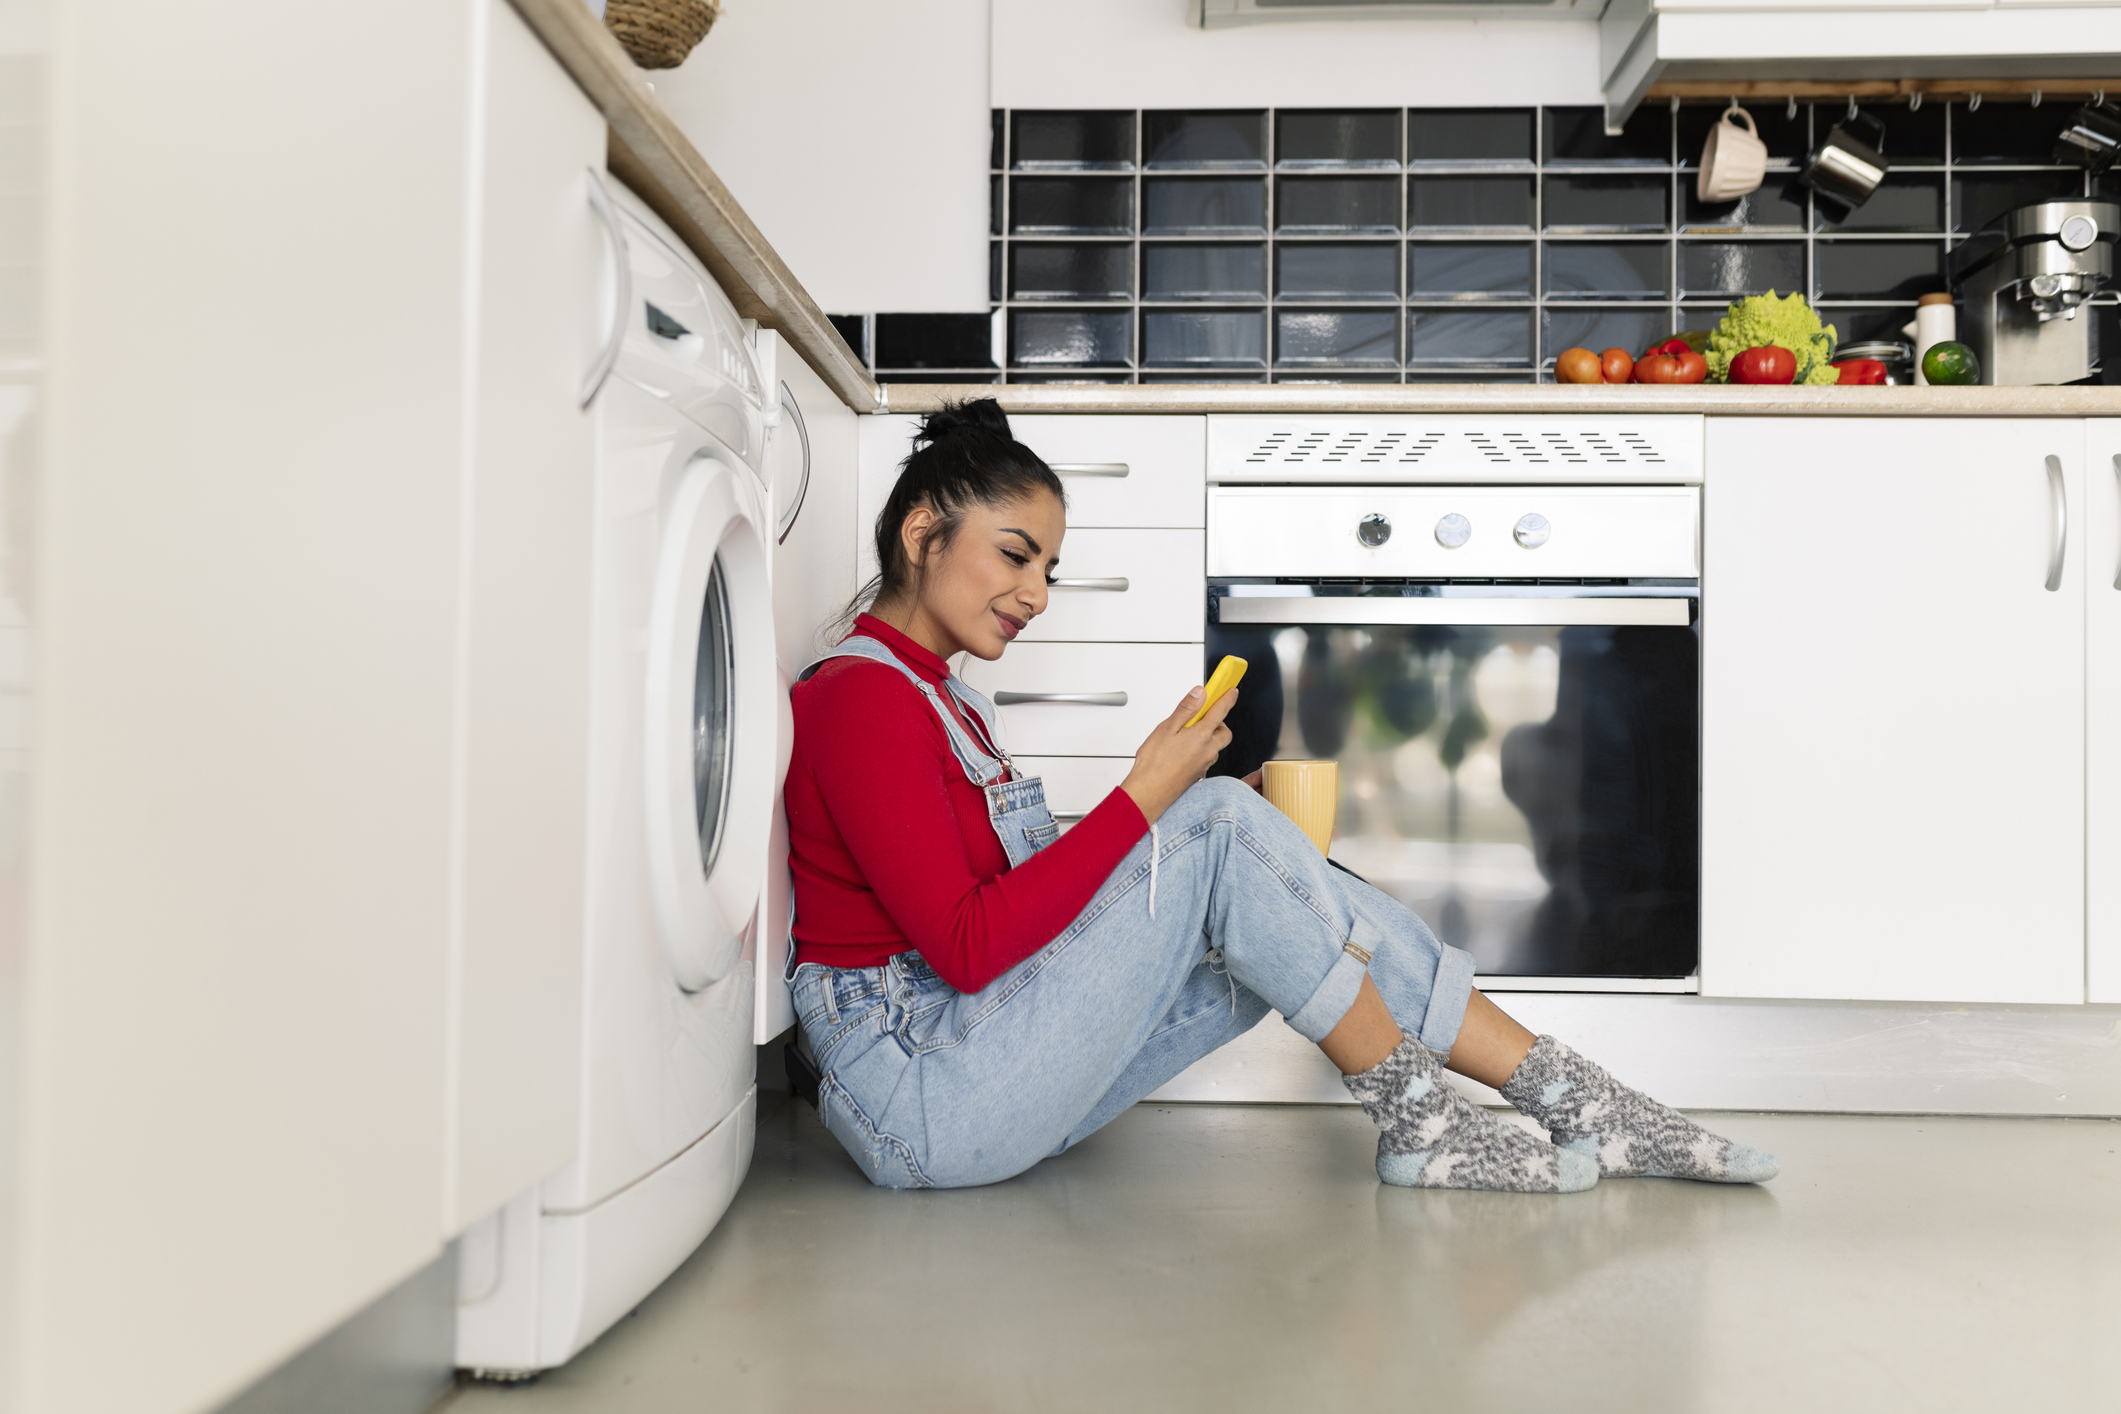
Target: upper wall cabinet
1643	42
1893	709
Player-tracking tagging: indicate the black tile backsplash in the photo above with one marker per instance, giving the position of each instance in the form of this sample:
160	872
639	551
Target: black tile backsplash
1469	269
1593	203
1365	138
1074	205
1336	204
1070	272
933	341
1471	203
1904	201
1577	136
1439	243
1202	206
1854	270
1459	135
1733	269
1204	272
1095	140
1215	141
1319	271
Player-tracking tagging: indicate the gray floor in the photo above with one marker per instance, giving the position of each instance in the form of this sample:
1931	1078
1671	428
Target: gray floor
1233	1258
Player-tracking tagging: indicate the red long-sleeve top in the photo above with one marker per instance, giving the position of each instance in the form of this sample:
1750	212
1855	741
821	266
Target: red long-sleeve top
889	844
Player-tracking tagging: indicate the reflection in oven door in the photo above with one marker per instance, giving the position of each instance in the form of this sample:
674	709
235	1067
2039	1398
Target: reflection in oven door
1531	792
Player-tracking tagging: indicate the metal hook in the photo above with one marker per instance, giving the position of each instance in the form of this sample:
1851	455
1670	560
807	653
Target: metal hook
1852	109
2098	98
1675	103
2036	98
1914	101
1973	103
1791	112
1734	104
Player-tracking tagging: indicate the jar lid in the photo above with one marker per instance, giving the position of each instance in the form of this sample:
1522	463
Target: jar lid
1938	298
1884	350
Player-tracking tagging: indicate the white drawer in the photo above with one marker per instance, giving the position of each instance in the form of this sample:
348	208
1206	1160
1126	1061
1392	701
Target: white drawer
1075	784
1126	586
1130	686
1124	471
1591	531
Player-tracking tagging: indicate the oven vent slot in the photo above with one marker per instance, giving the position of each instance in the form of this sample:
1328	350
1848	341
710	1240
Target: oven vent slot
1499	447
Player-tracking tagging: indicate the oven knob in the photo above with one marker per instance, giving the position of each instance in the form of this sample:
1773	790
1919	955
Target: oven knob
1532	531
1373	530
1453	531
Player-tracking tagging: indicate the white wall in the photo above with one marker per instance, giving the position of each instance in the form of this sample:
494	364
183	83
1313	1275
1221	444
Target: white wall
22	136
1154	54
855	134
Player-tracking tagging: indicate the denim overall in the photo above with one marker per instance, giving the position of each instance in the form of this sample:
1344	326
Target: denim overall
1015	808
925	1086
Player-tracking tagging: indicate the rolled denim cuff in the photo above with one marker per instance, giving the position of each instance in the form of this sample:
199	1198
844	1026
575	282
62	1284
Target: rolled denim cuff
1336	993
1448	995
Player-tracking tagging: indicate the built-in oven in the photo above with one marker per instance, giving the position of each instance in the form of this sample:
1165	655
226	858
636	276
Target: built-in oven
1509	679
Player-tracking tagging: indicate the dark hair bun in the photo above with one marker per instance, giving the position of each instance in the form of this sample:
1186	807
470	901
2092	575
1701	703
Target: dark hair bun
975	415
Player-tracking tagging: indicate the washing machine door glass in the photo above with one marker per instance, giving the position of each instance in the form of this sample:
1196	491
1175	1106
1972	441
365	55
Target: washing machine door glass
710	721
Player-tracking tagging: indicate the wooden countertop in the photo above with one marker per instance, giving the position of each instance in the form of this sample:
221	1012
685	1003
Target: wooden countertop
1713	399
652	155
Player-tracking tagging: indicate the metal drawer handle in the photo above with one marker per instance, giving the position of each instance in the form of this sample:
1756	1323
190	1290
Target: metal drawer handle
1087	468
1116	584
1069	814
2060	497
2117	487
1079	699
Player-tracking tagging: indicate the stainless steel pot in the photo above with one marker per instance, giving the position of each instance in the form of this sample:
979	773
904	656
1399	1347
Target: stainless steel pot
1845	167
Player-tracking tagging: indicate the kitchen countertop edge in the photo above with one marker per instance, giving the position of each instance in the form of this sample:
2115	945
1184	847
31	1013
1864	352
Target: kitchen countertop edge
1719	400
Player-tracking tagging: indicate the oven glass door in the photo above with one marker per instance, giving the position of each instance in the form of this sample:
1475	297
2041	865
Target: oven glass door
1532	791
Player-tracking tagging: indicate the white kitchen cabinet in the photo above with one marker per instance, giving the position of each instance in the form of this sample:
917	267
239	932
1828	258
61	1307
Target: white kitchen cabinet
1893	710
1084	699
2100	529
534	272
1141	586
1124	471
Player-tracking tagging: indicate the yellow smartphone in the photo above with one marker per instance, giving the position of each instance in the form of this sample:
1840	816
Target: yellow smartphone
1225	677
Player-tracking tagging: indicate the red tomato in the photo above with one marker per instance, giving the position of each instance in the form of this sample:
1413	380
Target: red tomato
1577	366
1692	367
1655	367
1766	364
1673	346
1618	365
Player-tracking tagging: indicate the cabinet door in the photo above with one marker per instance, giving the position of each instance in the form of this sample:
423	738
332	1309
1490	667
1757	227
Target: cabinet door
535	265
1893	710
2102	702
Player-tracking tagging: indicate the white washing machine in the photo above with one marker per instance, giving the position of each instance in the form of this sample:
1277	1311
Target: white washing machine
685	773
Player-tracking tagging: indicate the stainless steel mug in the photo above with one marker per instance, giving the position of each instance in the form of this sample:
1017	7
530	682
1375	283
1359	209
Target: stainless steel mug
1845	167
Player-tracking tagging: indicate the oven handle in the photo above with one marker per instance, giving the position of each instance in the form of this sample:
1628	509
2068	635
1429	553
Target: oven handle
1355	611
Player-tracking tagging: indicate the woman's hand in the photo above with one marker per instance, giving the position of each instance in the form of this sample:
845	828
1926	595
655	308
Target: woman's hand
1176	755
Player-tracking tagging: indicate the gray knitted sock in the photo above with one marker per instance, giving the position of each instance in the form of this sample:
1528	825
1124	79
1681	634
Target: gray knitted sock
1430	1137
1631	1135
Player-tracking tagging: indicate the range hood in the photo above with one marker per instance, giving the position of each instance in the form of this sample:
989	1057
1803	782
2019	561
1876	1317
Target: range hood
1216	14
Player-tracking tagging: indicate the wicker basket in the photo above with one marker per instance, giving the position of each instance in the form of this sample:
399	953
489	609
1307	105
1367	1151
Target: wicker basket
660	33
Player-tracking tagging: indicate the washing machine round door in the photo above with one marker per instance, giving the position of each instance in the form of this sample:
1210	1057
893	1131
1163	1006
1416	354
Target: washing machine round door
710	748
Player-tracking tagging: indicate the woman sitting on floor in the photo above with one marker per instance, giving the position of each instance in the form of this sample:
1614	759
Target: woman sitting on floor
980	994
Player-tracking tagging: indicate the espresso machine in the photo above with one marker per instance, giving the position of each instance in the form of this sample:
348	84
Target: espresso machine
2022	281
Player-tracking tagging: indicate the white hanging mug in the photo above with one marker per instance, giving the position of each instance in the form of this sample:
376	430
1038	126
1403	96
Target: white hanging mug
1733	160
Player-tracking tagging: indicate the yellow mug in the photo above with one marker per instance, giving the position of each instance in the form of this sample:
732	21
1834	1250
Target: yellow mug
1308	792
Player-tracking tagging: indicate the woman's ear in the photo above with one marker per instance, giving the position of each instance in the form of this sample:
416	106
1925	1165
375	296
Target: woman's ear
913	535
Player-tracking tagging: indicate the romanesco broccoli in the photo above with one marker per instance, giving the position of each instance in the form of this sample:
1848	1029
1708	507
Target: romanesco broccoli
1788	323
